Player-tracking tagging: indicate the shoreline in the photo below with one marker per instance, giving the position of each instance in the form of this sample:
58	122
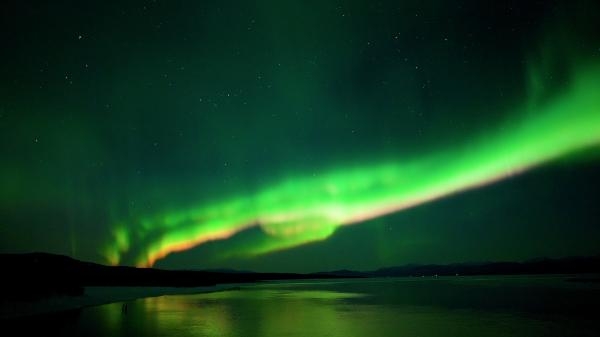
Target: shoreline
101	295
95	296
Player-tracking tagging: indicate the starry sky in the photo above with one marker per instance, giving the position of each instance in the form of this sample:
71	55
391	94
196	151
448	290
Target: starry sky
299	135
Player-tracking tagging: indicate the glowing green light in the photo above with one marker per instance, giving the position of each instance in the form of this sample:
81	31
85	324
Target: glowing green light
305	209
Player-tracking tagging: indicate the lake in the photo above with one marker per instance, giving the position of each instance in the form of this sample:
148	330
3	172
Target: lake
444	306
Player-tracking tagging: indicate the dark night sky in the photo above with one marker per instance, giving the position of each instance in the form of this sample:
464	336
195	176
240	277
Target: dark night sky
249	134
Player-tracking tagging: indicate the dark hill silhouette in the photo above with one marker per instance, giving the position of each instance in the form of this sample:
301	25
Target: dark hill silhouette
35	275
568	265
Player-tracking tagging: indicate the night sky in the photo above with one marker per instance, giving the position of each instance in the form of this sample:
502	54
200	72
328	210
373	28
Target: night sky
299	135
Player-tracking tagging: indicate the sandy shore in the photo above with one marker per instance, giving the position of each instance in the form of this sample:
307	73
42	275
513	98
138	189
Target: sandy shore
96	296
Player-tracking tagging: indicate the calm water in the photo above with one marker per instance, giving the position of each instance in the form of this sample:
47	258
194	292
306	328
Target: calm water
491	306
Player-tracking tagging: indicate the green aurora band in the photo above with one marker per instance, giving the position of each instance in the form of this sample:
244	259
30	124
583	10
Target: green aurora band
305	209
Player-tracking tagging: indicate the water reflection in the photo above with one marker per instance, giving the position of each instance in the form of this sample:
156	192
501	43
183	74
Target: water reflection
262	312
355	308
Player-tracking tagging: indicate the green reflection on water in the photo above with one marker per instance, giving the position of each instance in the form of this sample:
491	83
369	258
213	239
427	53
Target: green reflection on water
262	312
381	308
287	313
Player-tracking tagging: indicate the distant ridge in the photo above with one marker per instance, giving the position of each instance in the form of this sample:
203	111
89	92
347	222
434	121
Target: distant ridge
35	275
567	265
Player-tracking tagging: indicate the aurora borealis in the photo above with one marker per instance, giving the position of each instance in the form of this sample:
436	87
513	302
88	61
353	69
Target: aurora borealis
303	209
249	135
